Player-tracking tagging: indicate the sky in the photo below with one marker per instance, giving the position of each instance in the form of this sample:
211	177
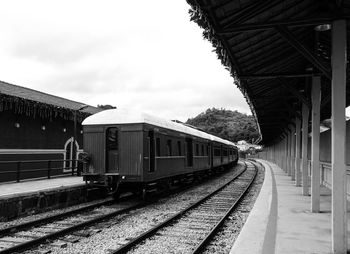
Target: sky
144	55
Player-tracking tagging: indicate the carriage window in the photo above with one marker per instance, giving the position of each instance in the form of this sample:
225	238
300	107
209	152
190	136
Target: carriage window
202	150
179	148
217	152
157	147
112	139
224	151
168	145
197	150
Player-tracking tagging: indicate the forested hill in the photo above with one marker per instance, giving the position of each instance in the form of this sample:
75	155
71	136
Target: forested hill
227	124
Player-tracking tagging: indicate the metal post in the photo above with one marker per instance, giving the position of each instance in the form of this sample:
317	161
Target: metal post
315	145
297	153
49	169
339	60
304	137
18	171
73	167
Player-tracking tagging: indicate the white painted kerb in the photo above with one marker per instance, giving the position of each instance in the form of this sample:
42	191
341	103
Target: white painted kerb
252	237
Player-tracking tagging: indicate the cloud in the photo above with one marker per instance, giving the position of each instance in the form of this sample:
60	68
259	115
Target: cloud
150	58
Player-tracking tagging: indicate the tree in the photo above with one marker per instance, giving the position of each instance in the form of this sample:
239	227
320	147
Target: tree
107	106
227	124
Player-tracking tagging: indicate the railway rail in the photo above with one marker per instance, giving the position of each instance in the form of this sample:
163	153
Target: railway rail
193	227
66	225
23	236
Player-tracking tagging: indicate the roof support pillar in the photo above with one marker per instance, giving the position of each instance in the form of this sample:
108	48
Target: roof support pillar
286	152
282	153
297	152
315	144
292	170
339	220
304	140
289	152
297	177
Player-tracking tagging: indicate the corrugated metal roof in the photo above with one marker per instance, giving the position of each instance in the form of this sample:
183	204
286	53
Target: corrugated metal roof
37	96
127	116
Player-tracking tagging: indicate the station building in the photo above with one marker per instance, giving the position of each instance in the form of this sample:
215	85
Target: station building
37	132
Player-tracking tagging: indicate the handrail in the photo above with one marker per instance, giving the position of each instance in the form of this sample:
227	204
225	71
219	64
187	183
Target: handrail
48	168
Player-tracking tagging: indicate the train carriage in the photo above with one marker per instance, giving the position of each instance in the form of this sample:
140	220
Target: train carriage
132	150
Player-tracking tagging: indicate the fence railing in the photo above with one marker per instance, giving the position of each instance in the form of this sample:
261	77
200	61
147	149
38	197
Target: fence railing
20	168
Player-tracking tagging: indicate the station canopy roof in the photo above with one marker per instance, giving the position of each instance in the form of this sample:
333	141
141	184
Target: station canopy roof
272	49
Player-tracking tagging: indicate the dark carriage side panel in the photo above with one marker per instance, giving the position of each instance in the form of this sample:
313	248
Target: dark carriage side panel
170	154
131	153
94	145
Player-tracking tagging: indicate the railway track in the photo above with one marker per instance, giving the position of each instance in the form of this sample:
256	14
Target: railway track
68	226
191	229
23	236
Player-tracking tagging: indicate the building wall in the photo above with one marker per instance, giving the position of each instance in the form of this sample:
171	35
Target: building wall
28	141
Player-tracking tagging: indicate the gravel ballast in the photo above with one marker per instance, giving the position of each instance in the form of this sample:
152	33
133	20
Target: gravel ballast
123	228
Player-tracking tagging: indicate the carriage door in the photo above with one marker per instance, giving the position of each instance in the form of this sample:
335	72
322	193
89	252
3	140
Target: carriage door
112	153
152	151
189	152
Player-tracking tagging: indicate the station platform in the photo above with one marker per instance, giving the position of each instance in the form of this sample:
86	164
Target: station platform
34	196
8	190
281	220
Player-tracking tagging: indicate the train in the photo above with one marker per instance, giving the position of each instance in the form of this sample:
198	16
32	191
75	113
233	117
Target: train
127	150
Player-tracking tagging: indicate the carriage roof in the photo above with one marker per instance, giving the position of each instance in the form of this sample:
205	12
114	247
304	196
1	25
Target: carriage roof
122	116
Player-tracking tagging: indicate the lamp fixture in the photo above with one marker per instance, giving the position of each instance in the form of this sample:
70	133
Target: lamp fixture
323	27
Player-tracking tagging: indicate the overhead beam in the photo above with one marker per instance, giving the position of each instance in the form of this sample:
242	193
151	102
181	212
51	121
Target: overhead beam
248	13
295	92
272	24
276	75
302	49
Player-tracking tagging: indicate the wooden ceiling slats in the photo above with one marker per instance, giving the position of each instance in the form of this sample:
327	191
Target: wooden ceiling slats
271	46
225	3
274	60
286	22
263	58
250	13
302	49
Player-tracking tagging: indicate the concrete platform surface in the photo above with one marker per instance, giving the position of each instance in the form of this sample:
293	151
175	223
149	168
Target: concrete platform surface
16	189
281	221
